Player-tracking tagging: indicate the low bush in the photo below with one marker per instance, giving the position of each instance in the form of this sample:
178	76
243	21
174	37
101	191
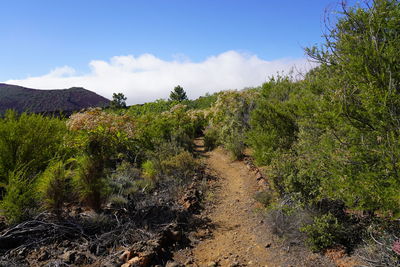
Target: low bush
210	139
18	203
90	181
149	170
30	140
286	216
325	232
181	166
54	187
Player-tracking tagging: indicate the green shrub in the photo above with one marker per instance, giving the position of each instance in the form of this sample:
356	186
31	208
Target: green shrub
229	118
90	181
30	140
18	203
210	139
273	125
180	167
53	186
325	232
149	170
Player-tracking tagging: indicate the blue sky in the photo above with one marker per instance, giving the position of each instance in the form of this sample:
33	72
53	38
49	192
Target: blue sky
39	36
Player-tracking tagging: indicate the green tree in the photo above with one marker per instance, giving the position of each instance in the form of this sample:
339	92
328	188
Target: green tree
118	101
178	94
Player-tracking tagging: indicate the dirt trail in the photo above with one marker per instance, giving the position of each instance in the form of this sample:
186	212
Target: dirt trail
237	234
234	239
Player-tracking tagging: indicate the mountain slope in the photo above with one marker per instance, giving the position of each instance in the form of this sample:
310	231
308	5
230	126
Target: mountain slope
47	101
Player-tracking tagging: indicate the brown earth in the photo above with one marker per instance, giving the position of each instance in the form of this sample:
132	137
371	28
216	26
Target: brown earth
237	234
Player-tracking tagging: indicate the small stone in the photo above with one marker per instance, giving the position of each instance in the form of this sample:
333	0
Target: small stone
172	264
268	245
212	264
250	263
68	256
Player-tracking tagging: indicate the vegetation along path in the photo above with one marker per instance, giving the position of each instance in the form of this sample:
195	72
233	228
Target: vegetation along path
236	234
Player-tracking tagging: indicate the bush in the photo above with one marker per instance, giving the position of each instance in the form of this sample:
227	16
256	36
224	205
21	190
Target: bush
210	139
30	140
180	167
90	181
229	118
127	180
18	204
285	217
325	232
149	170
53	186
273	125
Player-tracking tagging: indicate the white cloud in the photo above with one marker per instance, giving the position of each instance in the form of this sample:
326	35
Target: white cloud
146	77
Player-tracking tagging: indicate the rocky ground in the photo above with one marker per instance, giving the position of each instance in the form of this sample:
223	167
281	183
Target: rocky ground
142	233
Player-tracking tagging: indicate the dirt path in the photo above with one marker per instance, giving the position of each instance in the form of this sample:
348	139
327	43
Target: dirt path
234	239
237	234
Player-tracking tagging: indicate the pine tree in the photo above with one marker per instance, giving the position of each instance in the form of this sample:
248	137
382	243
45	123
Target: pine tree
178	94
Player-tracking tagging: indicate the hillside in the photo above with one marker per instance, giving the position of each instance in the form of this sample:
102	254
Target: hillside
43	101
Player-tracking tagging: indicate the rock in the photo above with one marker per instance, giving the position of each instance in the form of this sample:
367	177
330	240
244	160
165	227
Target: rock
68	257
135	261
125	256
250	263
172	264
212	264
268	245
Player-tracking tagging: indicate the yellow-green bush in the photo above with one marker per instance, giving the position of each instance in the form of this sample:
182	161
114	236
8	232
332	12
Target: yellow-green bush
53	186
18	203
30	140
90	181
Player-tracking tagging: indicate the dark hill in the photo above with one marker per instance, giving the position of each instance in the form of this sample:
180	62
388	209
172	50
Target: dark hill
48	101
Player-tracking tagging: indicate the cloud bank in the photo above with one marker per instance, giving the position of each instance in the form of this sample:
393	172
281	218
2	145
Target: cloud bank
145	78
